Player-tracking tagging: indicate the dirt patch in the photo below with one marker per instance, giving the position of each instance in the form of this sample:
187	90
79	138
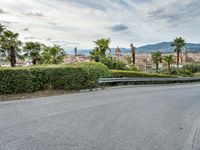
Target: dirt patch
9	97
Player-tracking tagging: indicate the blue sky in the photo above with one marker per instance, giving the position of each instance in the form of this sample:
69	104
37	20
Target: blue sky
77	23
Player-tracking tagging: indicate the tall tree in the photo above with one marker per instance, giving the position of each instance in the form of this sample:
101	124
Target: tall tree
169	60
11	44
33	51
156	58
53	55
102	45
178	44
133	51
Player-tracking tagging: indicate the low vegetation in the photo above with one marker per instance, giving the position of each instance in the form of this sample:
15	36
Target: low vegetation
126	73
113	63
47	73
56	77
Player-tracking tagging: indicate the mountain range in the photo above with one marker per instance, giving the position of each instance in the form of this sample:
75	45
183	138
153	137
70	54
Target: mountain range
164	47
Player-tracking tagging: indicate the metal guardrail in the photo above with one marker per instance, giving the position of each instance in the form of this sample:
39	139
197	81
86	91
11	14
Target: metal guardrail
147	80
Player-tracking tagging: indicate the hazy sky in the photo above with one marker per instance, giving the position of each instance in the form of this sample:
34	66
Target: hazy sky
79	22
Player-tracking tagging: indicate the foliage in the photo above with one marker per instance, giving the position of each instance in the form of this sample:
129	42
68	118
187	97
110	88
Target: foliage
32	50
95	70
157	58
35	78
95	55
2	28
178	44
125	73
169	60
52	55
132	68
113	63
11	46
102	45
193	67
128	59
184	72
99	52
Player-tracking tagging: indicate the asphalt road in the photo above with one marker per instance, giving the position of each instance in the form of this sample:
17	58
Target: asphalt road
137	118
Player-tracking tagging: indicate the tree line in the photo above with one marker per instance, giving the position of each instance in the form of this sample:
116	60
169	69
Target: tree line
178	44
102	45
11	48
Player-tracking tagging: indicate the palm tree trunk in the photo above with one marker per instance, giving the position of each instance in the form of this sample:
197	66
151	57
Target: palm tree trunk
157	67
12	57
178	56
133	56
97	59
169	67
34	62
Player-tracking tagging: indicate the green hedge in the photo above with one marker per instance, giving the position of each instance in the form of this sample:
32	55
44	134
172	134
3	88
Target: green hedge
125	73
69	77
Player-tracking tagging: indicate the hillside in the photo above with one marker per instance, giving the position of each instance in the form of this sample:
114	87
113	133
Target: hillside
164	47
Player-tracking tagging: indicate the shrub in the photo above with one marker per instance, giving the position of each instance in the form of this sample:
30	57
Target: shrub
123	73
15	81
95	70
112	63
193	67
173	71
69	77
133	68
185	72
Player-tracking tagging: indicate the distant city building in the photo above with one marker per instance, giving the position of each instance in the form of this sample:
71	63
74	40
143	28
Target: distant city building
75	51
118	52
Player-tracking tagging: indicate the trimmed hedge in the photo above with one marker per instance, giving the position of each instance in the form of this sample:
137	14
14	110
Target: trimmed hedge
125	73
69	77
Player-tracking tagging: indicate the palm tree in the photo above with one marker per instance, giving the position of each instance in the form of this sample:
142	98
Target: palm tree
133	51
169	60
11	45
95	55
102	45
156	58
53	55
178	44
32	50
2	28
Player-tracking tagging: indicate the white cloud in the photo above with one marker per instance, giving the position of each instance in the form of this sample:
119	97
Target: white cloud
79	22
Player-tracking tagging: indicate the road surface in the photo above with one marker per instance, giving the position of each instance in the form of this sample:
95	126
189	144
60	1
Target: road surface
134	118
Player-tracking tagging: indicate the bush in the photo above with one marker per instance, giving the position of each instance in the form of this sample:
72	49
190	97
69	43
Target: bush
185	72
95	70
123	73
132	68
112	63
69	77
193	67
